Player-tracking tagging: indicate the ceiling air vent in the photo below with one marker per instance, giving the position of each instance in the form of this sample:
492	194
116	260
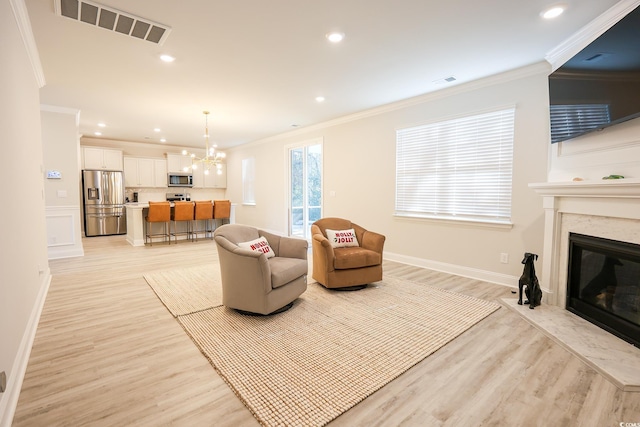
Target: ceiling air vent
113	20
445	80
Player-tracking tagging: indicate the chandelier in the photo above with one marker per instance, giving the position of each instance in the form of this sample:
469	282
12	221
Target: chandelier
211	159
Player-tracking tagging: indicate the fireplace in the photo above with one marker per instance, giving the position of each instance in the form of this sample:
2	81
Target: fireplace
603	284
605	209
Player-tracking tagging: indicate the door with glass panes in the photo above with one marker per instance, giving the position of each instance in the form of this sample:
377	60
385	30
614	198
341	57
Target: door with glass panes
305	188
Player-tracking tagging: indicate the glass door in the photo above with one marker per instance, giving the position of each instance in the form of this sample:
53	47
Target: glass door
305	188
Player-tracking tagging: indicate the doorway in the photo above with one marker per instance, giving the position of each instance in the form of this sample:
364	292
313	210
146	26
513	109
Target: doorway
305	187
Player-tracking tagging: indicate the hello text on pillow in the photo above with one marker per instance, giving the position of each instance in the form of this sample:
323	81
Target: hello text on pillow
342	238
259	245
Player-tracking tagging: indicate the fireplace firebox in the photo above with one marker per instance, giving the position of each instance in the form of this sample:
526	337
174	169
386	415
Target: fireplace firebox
604	284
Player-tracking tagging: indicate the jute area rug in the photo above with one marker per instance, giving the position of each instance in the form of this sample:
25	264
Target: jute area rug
187	290
331	350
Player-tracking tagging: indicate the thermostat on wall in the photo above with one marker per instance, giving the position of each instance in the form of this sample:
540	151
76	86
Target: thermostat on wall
54	175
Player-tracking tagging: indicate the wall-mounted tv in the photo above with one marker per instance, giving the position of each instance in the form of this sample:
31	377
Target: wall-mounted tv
600	85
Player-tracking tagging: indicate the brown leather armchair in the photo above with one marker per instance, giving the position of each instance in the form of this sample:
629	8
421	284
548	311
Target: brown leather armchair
253	282
346	268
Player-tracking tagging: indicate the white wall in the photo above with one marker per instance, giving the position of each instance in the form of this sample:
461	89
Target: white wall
359	165
61	152
24	266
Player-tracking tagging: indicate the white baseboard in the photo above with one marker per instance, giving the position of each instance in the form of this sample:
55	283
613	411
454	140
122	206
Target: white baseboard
63	252
134	241
15	378
458	270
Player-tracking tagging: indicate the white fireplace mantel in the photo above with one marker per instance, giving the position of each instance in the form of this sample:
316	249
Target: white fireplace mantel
607	208
624	188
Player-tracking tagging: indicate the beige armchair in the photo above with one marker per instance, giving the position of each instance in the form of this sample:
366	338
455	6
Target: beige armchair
346	268
257	279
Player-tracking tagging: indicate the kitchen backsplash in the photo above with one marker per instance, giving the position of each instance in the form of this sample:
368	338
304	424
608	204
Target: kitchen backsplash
159	194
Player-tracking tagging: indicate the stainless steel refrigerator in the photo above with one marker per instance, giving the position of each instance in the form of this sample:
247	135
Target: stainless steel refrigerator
103	195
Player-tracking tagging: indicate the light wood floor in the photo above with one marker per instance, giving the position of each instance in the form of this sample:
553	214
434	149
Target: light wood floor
108	353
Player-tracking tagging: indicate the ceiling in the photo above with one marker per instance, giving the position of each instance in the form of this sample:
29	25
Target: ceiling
258	65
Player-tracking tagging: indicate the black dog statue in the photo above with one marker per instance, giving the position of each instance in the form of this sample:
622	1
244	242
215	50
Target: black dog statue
530	282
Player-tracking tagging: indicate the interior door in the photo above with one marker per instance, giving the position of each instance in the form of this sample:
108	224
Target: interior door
305	188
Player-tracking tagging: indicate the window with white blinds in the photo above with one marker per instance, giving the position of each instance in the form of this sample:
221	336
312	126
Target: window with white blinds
457	169
569	121
248	181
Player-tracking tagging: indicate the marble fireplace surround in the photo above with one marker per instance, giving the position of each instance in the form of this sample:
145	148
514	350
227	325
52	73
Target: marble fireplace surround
608	209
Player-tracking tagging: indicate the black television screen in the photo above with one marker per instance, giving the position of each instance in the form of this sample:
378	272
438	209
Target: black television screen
600	85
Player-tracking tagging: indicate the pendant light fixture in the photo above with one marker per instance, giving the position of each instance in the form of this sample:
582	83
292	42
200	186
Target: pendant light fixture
212	159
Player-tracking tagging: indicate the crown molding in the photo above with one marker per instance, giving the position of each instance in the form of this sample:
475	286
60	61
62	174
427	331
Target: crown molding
574	44
24	26
62	110
57	109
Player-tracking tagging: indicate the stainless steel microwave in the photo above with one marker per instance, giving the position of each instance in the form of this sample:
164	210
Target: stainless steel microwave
180	179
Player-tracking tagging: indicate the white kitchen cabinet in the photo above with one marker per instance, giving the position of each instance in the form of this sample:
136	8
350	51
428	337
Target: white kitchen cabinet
177	162
102	158
198	178
215	180
160	172
142	172
211	180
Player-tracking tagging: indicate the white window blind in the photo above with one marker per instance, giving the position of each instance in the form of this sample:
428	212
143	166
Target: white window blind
248	181
457	169
569	121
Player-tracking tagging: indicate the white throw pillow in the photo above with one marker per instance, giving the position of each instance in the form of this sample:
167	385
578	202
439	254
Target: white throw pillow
342	238
259	245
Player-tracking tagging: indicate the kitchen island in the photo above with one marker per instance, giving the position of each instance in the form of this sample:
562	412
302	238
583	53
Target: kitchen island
135	222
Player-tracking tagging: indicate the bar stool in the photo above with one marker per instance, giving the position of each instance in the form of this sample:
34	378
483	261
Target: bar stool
159	212
221	211
203	213
182	212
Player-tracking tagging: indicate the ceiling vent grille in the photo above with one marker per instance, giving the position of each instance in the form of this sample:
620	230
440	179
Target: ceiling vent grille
112	19
445	80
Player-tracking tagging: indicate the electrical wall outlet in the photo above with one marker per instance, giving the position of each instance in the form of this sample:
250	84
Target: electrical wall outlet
3	382
504	258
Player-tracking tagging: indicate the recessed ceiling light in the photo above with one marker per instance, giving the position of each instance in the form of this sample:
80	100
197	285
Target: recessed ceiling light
102	125
97	133
335	37
163	139
167	58
553	12
157	129
319	98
